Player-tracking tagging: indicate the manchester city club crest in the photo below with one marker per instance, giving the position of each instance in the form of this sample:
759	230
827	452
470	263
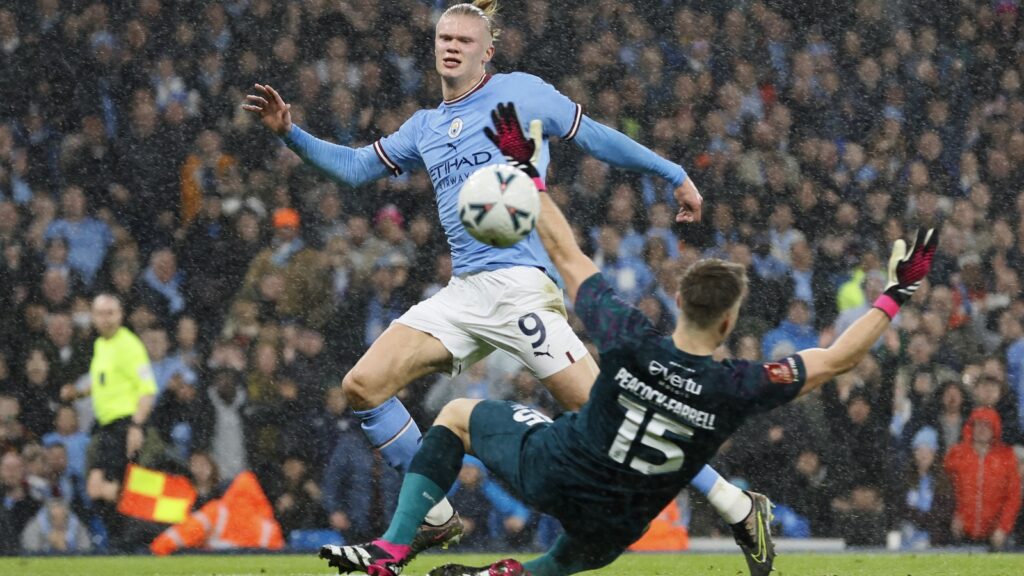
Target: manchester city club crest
455	128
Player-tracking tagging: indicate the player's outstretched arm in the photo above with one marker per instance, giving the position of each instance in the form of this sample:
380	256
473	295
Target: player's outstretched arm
554	230
906	271
617	149
557	236
352	166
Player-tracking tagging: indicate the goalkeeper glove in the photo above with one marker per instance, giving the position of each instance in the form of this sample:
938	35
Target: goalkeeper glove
520	151
906	270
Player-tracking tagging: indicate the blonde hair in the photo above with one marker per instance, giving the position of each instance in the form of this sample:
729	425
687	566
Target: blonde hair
486	10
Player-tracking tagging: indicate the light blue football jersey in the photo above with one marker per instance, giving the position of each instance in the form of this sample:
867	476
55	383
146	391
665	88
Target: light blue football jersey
449	143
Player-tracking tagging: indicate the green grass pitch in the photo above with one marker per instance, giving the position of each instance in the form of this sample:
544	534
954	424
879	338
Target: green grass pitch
629	565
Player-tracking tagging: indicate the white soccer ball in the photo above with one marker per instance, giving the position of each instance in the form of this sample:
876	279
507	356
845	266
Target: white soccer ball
498	205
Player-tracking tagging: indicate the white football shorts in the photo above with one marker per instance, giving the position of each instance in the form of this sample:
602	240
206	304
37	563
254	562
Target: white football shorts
519	310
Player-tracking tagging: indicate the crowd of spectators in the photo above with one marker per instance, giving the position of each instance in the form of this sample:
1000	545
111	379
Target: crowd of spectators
818	133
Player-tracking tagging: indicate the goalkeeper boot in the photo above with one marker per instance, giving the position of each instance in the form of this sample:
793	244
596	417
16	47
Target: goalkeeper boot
377	558
445	535
506	567
754	535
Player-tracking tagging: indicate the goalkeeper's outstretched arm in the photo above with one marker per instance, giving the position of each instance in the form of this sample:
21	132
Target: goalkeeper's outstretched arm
351	166
907	268
560	242
824	364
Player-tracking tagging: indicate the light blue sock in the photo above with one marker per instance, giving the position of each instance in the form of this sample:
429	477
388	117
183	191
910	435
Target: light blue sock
705	479
392	430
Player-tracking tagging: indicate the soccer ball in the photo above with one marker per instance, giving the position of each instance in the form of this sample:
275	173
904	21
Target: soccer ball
498	205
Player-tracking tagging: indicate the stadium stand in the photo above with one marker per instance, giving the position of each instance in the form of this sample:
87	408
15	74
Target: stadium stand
127	166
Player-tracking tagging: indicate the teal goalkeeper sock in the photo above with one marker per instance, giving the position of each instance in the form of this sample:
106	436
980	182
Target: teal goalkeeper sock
547	565
418	495
431	475
571	555
544	566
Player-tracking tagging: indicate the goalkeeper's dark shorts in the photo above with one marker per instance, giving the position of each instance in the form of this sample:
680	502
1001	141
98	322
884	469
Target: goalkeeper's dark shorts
514	443
498	432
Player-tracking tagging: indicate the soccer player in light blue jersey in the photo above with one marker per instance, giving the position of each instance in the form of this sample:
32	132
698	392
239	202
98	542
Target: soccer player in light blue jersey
497	298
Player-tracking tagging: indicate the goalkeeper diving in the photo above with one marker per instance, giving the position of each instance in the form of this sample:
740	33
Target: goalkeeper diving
658	412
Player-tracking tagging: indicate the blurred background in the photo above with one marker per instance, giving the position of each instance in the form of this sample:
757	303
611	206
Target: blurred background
818	134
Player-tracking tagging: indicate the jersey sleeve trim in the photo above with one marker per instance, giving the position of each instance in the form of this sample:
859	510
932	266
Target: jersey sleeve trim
379	149
576	120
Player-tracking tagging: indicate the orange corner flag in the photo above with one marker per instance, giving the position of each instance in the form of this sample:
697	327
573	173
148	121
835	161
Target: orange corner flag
156	496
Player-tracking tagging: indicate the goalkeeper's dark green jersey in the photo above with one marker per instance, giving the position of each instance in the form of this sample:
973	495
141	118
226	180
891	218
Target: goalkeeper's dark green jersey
655	417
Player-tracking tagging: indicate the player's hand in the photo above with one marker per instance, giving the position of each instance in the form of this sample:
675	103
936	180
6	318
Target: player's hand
520	150
690	202
134	441
271	108
907	268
